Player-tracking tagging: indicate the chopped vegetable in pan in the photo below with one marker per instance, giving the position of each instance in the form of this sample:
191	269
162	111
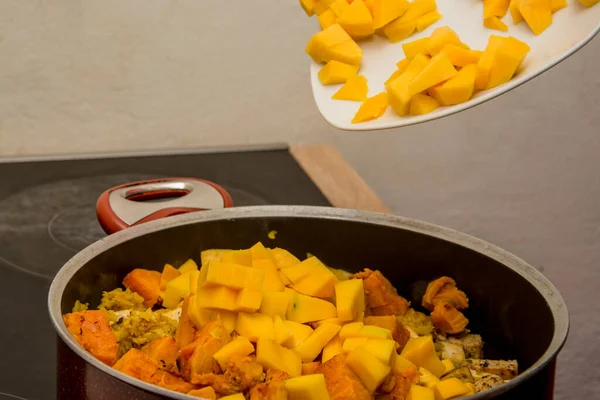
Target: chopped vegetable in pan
260	324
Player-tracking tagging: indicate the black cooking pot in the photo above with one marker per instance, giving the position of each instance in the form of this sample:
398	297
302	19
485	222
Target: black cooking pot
518	311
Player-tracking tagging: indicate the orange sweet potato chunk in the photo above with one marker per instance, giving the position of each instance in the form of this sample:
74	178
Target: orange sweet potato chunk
399	333
380	295
144	282
342	383
197	357
92	331
164	351
447	319
185	328
444	290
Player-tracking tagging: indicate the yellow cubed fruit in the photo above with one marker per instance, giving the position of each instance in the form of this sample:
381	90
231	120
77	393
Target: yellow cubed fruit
449	389
207	393
212	255
486	61
299	333
418	8
260	252
307	387
385	11
322	5
282	332
507	60
421	352
235	276
194	277
369	369
332	349
339	7
355	89
397	91
308	6
422	104
274	303
427	379
402	364
335	320
588	3
238	347
239	257
392	78
237	396
356	20
271	282
350	299
441	37
495	23
375	332
399	30
515	13
334	43
426	20
220	297
372	108
351	330
248	300
168	274
271	355
537	14
417	392
437	70
412	49
459	56
458	89
383	349
495	8
327	18
403	64
202	316
284	258
556	5
311	277
188	266
449	366
180	285
313	345
254	326
353	343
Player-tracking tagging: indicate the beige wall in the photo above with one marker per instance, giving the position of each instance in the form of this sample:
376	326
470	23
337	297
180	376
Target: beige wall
520	171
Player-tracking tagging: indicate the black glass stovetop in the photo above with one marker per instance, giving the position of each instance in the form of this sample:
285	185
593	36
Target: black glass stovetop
47	214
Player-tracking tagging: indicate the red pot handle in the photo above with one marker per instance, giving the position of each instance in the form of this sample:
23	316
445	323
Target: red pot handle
135	203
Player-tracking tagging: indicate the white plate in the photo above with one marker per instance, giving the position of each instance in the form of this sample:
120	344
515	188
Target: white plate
572	28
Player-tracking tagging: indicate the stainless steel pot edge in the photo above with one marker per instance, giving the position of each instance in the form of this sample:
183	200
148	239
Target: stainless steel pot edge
546	288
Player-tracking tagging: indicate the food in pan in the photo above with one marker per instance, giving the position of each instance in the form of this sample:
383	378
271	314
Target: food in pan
260	324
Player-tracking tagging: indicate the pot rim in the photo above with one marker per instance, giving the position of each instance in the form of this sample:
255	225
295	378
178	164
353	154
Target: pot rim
548	291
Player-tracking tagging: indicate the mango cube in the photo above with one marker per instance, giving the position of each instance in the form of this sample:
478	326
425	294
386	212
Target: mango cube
202	316
399	30
311	277
495	8
334	43
220	297
412	49
282	257
274	303
402	364
537	14
495	23
422	104
418	8
372	108
307	387
507	60
332	349
327	18
168	274
282	332
375	332
322	5
486	61
355	89
383	349
194	277
426	20
385	11
417	392
238	347
248	300
351	330
449	366
271	282
308	6
312	346
239	257
459	56
450	388
188	266
556	5
427	379
299	333
398	93
441	37
458	89
180	284
350	299
403	64
335	72
212	255
271	355
515	13
356	20
218	273
339	7
260	252
353	343
421	352
369	369
255	326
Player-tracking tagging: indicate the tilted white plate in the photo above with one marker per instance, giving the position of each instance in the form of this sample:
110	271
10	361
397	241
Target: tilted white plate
572	28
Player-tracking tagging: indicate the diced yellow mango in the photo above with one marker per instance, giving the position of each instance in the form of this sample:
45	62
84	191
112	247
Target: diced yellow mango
437	70
495	8
237	396
402	364
486	61
355	89
248	300
282	332
275	303
427	379
212	255
417	392
426	20
194	276
271	282
385	11
458	89
254	326
171	297
305	309
383	349
353	343
588	3
441	37
260	252
282	257
335	320
398	93
357	20
202	316
238	347
311	276
392	77
507	60
403	64
271	355
537	14
515	13
418	8
220	297
422	104
332	349
327	18
299	333
180	285
218	273
308	6
459	56
313	345
350	299
399	29
239	257
369	369
556	5
372	108
449	366
334	43
339	7
495	23
449	389
307	387
421	352
412	49
168	274
188	266
322	5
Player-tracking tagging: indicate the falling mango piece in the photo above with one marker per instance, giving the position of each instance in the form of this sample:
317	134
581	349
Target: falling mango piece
456	90
440	37
485	63
308	6
422	104
589	3
426	20
372	108
334	43
399	30
459	56
438	69
355	89
536	14
495	23
411	49
495	8
357	20
556	5
385	11
327	18
397	90
515	13
507	60
418	8
336	72
339	7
